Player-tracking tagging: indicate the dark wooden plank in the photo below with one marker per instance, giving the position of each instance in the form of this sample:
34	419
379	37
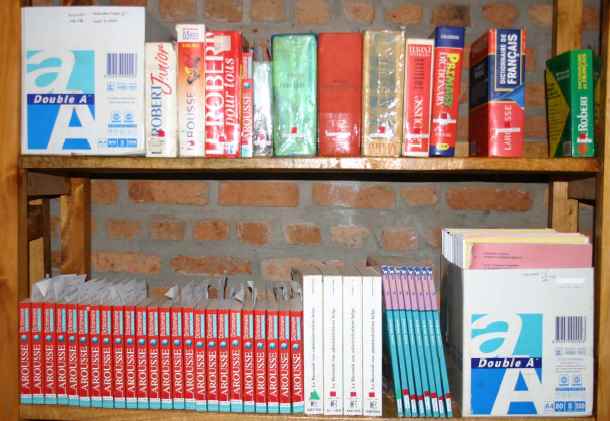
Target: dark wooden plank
582	189
46	185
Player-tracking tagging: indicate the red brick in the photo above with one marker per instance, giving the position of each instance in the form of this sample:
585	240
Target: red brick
398	239
167	228
462	128
302	234
211	230
360	11
535	127
43	3
420	195
405	14
224	10
489	199
169	192
279	269
122	229
258	193
530	59
353	195
451	14
104	192
129	3
349	236
268	10
501	14
173	10
433	237
211	265
130	262
590	18
254	233
541	14
534	95
312	12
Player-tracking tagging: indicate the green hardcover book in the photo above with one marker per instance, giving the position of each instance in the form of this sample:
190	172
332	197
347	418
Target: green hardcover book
295	131
569	104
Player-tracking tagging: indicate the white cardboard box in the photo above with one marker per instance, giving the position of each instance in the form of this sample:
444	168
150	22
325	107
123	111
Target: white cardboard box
520	342
310	278
161	100
333	341
82	80
352	341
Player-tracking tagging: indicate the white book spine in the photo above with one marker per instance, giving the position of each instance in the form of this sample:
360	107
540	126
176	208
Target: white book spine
161	100
313	341
352	344
333	346
371	344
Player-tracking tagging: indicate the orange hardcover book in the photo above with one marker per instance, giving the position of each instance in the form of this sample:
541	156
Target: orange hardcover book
340	93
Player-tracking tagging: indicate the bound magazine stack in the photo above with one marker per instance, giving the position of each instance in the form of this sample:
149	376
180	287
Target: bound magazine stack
413	337
341	340
204	346
518	317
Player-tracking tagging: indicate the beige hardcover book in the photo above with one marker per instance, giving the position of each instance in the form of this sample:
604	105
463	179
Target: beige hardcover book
383	87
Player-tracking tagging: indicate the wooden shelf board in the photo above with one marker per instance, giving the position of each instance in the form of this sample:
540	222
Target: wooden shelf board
41	412
93	166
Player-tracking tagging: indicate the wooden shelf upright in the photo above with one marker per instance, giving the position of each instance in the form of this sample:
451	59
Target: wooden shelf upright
32	177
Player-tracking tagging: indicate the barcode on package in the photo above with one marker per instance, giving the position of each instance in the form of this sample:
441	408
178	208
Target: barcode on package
121	65
570	329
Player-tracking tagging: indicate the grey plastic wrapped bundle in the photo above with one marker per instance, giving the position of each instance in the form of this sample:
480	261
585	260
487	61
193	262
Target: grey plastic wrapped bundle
295	128
382	99
263	109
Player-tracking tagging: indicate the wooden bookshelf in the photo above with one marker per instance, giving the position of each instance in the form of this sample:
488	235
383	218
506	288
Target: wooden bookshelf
76	171
95	166
39	412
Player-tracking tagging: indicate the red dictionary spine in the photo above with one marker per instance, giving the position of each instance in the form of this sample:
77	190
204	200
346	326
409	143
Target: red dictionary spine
188	332
419	60
118	349
50	369
212	358
142	357
165	350
95	356
260	360
222	60
37	354
235	335
248	359
200	361
72	331
25	352
224	369
177	357
131	382
152	333
296	358
247	120
273	393
62	353
107	357
284	360
340	93
84	387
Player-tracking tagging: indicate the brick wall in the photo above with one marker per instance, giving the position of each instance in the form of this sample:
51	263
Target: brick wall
166	230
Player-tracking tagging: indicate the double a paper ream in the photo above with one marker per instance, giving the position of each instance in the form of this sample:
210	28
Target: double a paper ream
82	93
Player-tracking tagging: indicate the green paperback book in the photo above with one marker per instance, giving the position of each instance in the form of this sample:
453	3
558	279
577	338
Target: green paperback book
295	131
570	104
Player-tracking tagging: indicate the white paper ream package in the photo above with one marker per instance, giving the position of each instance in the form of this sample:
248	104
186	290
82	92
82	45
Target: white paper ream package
161	100
520	342
83	93
310	278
